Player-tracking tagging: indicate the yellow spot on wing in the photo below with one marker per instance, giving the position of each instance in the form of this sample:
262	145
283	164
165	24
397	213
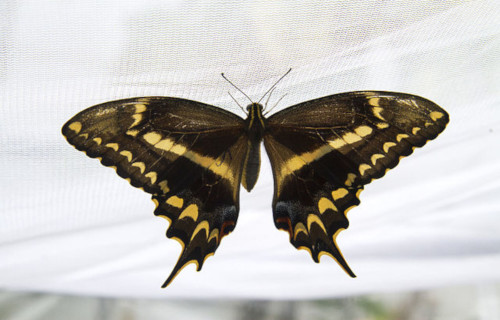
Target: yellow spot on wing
324	204
139	108
113	146
140	165
339	193
164	144
76	127
350	179
191	211
375	157
152	137
401	136
127	154
163	186
363	131
415	130
137	119
363	167
382	125
337	143
97	140
388	145
152	176
175	201
178	149
374	102
132	133
436	115
377	111
294	164
201	226
214	234
299	227
312	218
168	144
351	137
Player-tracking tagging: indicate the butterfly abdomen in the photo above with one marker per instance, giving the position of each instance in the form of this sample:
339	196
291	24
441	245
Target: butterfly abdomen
255	127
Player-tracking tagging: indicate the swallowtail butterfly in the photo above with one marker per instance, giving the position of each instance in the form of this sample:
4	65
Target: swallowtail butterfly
192	157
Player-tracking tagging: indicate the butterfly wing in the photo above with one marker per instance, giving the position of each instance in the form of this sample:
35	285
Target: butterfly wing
187	154
323	151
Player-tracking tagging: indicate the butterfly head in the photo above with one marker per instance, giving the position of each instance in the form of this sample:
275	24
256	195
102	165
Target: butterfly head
255	107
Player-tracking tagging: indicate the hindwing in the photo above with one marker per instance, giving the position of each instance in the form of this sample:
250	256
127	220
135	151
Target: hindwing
325	150
187	154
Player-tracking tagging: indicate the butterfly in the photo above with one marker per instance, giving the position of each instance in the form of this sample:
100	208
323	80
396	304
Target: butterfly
192	157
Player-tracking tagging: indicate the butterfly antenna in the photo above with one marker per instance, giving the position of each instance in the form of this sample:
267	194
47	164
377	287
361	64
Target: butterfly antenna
274	85
239	105
268	97
222	74
265	113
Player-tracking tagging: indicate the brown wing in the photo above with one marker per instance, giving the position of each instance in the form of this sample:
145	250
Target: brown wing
323	151
187	154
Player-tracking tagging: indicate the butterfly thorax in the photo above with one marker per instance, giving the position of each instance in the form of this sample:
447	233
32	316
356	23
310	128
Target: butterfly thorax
255	122
255	127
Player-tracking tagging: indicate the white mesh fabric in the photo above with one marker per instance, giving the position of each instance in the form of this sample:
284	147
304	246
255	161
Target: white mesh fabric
70	225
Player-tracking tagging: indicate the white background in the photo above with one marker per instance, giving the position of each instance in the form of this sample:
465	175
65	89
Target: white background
70	225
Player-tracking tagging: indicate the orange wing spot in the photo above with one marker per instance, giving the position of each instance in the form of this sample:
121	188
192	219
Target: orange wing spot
223	232
288	223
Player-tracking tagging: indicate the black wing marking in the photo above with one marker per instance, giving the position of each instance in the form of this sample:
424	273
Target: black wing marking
323	151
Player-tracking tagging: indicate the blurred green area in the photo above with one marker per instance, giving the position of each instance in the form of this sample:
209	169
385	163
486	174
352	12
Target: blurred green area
481	302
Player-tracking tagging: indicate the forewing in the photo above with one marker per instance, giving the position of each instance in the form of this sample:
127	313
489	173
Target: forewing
187	154
324	151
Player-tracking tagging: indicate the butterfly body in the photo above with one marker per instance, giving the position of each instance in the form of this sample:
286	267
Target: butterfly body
192	158
256	126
